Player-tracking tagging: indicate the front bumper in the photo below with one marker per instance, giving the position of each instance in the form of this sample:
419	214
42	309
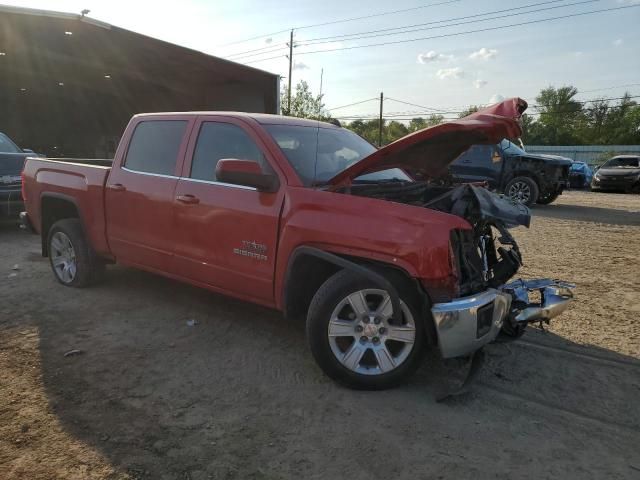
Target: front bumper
464	325
11	203
614	183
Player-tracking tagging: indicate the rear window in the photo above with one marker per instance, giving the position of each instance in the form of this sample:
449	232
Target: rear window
154	146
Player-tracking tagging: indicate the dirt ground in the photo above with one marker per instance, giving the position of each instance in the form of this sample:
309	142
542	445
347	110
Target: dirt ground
237	395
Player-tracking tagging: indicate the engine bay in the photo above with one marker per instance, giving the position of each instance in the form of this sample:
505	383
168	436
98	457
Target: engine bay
485	256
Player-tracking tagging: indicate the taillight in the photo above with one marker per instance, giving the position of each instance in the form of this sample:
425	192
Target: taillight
24	197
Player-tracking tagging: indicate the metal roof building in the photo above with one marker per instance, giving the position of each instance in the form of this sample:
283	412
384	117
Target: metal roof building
69	83
591	154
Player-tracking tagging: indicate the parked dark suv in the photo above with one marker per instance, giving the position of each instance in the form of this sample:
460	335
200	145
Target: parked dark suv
508	169
619	173
11	163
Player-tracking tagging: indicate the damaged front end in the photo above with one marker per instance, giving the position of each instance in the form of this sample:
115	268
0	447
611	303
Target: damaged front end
484	259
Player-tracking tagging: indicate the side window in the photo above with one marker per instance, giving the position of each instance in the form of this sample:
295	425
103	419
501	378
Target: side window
476	155
154	146
221	140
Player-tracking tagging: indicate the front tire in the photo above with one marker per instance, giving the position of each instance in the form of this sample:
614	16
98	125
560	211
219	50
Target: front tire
522	190
72	260
353	338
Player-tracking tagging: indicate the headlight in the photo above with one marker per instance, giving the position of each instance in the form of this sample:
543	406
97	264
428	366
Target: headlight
596	176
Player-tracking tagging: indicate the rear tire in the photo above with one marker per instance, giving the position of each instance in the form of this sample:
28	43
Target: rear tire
72	260
354	340
522	190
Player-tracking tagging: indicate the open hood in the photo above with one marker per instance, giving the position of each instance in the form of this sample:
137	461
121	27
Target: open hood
429	152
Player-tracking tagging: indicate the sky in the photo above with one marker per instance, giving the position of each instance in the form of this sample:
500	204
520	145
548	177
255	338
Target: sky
598	53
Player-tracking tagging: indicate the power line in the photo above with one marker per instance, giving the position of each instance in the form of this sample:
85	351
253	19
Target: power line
352	104
414	114
471	31
412	104
391	12
376	33
248	53
265	59
610	88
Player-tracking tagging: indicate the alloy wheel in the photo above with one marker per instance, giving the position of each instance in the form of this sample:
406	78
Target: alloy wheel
365	338
63	257
520	192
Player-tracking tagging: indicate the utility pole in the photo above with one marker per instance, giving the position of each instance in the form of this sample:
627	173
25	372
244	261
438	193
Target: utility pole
380	125
290	69
321	75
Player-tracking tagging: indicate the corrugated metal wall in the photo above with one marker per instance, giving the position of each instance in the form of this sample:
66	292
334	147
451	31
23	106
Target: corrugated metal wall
591	154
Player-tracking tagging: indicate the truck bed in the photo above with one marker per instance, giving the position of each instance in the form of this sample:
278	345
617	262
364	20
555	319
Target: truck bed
81	181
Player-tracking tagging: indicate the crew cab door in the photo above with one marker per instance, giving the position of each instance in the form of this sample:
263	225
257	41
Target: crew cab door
226	235
140	192
478	164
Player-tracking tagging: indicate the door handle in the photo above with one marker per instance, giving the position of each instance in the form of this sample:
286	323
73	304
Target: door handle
188	199
118	187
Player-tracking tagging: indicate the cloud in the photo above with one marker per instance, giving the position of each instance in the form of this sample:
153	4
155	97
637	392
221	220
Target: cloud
479	83
484	54
445	73
432	56
268	40
496	98
618	42
300	66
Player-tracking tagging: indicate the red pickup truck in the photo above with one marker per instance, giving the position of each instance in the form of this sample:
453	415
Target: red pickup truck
308	218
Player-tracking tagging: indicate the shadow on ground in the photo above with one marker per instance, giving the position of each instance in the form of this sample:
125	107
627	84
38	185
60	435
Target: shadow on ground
587	214
237	395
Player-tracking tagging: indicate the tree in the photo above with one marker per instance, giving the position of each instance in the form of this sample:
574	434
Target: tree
419	123
468	111
303	103
560	115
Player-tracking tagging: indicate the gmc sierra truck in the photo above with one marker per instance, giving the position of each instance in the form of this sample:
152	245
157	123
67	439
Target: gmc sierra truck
310	219
507	168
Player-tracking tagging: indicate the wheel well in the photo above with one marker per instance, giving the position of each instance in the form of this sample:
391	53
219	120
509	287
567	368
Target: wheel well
52	210
307	273
305	276
522	173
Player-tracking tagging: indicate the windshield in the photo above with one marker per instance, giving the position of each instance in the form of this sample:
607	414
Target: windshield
622	162
7	146
318	154
510	147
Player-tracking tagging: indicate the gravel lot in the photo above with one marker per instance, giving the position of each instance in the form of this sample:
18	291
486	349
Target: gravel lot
237	395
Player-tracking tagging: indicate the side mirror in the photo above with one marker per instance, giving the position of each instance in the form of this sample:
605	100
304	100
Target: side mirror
247	173
27	150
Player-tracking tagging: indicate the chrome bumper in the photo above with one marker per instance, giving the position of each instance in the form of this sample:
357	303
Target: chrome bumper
466	324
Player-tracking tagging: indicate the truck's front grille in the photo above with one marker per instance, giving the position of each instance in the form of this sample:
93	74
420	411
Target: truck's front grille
468	262
484	318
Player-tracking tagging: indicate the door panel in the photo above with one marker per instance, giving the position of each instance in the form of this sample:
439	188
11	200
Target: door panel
139	196
226	234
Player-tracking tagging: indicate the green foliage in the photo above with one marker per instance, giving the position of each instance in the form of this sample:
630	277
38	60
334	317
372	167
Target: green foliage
468	111
556	118
393	130
563	120
303	103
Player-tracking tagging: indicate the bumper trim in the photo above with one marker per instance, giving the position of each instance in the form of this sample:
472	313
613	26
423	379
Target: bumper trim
25	223
461	327
456	322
